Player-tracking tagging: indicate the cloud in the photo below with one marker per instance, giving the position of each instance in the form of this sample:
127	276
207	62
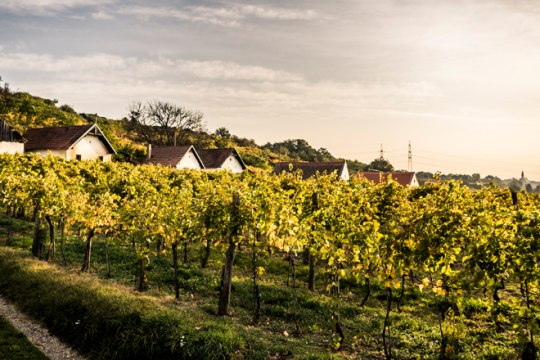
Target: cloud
71	66
113	68
107	66
277	13
224	87
232	71
231	16
47	7
226	16
101	15
207	15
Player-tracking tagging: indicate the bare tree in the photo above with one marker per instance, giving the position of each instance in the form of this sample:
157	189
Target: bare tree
163	123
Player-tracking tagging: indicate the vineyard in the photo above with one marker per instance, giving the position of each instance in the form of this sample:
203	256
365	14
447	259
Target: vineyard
352	269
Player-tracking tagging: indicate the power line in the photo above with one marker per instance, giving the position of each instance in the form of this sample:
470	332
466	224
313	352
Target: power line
373	151
475	161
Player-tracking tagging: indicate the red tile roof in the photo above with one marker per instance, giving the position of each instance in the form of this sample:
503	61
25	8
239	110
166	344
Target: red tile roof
61	137
404	178
310	169
54	138
214	158
171	155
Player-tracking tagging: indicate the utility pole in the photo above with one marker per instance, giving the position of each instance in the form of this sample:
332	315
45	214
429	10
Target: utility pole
382	154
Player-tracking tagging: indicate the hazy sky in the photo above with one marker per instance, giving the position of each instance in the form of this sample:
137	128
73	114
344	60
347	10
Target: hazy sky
460	79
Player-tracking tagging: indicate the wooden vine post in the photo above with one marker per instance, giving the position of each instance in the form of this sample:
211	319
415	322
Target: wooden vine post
226	274
311	278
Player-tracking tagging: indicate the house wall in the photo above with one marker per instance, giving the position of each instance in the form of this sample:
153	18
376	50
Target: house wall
61	153
9	147
345	172
232	164
89	148
414	181
189	161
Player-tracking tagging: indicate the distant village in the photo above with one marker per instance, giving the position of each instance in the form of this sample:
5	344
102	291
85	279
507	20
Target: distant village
88	142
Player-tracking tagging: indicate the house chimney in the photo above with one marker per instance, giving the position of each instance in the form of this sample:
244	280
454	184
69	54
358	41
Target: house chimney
148	151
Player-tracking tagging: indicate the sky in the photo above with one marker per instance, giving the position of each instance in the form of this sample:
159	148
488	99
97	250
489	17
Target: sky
458	79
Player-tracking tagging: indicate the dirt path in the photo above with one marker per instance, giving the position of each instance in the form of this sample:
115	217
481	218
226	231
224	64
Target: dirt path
38	335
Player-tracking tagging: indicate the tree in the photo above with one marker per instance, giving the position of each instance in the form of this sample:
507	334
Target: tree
163	123
223	133
380	164
223	138
526	267
299	149
5	97
442	224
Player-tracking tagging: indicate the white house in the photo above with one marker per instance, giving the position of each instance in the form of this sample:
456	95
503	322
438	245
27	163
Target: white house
222	159
405	178
84	142
310	169
180	157
11	142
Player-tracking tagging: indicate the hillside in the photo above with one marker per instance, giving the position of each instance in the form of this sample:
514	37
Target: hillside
23	110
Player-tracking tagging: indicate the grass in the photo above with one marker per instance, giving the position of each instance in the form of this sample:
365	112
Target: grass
106	320
103	316
15	346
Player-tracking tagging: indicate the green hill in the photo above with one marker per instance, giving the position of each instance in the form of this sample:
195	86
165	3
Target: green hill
23	111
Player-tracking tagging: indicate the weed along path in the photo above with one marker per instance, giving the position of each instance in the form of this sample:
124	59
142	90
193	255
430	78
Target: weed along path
38	335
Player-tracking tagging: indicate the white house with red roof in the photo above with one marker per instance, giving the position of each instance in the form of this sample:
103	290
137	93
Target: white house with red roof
83	142
179	157
309	169
222	159
405	178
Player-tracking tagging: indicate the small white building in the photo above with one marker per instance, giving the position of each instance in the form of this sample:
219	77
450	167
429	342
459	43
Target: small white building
11	142
222	159
404	178
180	157
310	169
84	142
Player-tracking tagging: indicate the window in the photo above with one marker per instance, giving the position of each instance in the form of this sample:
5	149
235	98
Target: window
78	157
100	158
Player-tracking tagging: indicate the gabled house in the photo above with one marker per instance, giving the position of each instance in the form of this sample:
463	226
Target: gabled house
310	169
222	159
180	157
83	142
11	142
402	177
